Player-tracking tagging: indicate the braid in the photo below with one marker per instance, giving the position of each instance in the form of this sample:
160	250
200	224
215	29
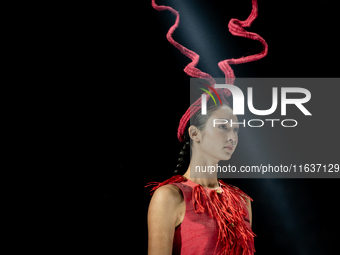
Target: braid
184	154
183	159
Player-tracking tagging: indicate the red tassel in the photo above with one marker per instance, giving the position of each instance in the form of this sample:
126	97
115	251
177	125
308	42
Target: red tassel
226	207
173	179
197	198
200	198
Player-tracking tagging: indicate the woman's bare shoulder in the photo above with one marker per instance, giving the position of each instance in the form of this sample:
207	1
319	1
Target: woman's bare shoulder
163	217
168	194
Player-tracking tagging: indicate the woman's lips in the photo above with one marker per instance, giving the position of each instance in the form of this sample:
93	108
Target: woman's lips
229	147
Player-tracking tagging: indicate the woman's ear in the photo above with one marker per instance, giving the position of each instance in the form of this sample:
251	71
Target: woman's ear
194	133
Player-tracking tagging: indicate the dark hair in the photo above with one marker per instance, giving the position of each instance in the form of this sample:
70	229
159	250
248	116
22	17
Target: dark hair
198	120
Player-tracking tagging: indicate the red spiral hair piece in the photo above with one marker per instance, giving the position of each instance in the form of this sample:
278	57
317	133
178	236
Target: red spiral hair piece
235	27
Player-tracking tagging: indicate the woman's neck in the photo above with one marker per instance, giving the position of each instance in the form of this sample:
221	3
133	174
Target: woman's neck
203	171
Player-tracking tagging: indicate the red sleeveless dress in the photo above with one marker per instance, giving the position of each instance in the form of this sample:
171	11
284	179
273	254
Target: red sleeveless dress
215	221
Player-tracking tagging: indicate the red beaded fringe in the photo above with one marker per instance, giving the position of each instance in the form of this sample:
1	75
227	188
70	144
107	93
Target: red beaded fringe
173	179
226	207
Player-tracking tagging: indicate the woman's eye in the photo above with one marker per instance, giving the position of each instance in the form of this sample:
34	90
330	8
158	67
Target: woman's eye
236	130
223	127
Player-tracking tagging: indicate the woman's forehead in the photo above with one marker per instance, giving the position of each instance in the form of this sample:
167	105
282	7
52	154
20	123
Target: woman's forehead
224	112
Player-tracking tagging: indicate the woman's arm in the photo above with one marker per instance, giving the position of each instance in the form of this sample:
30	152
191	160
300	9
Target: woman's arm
163	216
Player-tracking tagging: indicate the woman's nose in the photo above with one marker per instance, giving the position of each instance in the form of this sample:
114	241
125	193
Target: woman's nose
232	140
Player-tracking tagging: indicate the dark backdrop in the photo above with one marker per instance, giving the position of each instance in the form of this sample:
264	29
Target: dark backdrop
142	92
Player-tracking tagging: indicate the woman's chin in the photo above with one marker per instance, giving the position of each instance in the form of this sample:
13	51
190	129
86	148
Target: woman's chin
226	157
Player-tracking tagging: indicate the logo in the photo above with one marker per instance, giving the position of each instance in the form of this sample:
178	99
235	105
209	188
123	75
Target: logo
212	97
239	99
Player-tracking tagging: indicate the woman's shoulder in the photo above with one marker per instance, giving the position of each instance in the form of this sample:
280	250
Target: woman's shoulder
170	188
168	193
166	203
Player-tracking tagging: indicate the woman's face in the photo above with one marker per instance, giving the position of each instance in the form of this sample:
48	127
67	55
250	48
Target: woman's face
214	140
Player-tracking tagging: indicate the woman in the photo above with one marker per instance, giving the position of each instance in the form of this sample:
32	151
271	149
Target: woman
196	213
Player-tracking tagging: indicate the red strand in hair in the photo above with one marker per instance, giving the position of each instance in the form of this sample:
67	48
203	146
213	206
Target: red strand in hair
190	69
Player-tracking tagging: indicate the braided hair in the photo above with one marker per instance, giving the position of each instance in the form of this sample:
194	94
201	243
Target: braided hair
184	156
198	120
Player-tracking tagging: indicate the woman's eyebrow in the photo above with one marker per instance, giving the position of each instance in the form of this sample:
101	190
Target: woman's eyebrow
234	125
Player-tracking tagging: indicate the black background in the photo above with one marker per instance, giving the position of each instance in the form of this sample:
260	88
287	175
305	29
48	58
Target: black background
141	92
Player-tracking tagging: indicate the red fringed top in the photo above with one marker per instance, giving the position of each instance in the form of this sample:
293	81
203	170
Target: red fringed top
215	221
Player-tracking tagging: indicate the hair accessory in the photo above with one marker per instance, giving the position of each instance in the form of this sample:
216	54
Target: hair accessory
235	27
